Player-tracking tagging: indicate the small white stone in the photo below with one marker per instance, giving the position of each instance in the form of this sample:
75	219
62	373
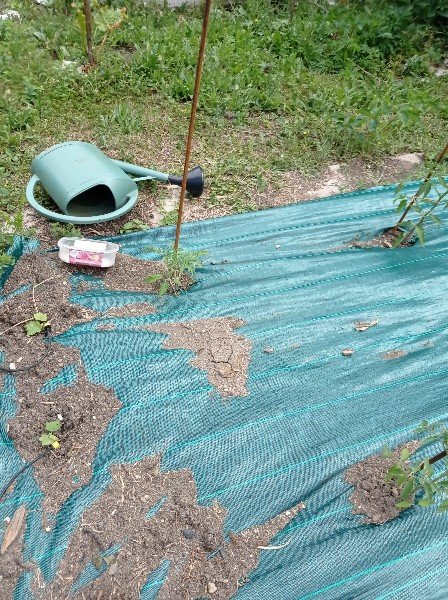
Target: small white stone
60	417
7	519
10	14
211	587
277	246
47	529
12	366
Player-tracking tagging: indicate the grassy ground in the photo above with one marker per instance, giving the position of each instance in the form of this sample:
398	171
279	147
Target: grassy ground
281	91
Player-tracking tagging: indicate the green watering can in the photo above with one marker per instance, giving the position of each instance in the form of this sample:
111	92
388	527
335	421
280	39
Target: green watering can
89	187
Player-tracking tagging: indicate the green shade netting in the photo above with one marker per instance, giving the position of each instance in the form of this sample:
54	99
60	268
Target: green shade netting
310	413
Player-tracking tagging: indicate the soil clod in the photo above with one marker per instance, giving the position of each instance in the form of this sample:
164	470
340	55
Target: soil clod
220	351
373	496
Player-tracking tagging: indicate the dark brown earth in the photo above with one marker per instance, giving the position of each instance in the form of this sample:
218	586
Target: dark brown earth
187	534
84	409
387	239
373	496
222	353
11	562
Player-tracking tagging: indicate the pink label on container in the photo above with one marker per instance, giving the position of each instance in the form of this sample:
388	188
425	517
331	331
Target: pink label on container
85	257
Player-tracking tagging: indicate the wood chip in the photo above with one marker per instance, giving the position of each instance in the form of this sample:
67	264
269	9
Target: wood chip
363	325
13	528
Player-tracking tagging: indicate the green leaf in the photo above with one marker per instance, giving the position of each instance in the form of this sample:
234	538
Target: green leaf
424	189
443	506
421	234
47	439
442	182
41	317
97	561
33	327
163	288
53	426
425	502
387	452
405	454
153	278
436	219
404	504
407	490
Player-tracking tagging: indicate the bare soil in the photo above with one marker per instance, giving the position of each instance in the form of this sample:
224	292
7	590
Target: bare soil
84	409
187	534
11	563
222	353
387	239
373	496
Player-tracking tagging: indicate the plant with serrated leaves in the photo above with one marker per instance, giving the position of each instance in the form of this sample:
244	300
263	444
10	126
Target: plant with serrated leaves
48	437
431	196
59	230
179	266
424	483
134	225
37	324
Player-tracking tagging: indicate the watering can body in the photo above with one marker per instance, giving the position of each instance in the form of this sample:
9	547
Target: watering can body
89	187
82	180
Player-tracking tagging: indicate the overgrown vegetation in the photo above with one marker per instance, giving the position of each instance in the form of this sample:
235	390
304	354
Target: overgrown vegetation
424	482
280	91
177	269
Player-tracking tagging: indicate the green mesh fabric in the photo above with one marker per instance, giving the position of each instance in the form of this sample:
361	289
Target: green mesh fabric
310	413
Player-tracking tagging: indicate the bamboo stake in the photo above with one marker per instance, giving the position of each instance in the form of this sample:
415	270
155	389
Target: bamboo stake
194	105
89	37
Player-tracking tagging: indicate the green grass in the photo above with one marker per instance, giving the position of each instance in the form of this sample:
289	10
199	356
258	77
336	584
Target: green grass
280	91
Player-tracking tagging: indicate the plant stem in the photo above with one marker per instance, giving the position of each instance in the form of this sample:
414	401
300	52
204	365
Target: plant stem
439	159
194	105
422	218
89	42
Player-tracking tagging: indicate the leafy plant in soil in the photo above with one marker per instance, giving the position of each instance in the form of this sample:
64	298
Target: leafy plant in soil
421	204
178	268
48	438
421	482
134	225
37	324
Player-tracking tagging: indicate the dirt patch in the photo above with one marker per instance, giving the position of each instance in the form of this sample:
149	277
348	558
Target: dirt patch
392	354
387	239
373	496
129	275
83	408
11	561
222	353
176	529
338	178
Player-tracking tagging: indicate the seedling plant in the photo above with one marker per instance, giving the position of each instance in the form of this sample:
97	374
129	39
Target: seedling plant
48	437
431	196
424	483
179	267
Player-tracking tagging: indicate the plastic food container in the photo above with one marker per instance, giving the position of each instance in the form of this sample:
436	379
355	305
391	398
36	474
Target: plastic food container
93	253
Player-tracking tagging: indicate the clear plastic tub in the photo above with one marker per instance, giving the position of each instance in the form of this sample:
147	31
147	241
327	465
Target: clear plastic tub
93	253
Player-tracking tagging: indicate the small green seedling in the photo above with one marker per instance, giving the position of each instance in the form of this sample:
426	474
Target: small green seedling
421	482
48	438
178	268
134	225
37	324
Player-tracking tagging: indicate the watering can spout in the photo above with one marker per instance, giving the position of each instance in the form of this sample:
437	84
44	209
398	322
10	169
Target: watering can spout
195	181
195	177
